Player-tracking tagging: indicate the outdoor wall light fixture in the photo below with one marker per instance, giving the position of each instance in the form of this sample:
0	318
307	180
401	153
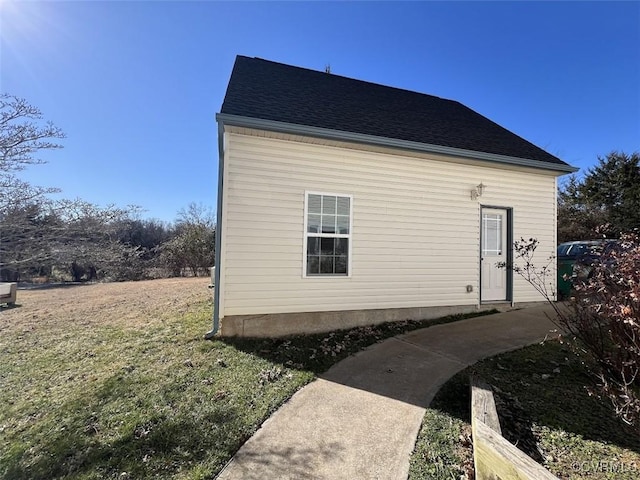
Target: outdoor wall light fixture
477	191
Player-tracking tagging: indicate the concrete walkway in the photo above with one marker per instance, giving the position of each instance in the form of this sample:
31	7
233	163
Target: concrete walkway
361	419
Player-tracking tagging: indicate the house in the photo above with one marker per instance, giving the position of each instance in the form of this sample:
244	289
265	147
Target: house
344	203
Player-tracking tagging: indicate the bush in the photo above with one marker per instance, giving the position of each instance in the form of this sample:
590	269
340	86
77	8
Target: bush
602	318
606	321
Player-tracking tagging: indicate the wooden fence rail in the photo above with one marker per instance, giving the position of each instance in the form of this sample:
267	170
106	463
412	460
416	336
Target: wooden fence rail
494	457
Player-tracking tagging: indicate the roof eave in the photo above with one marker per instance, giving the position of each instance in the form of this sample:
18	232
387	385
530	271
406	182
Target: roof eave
330	134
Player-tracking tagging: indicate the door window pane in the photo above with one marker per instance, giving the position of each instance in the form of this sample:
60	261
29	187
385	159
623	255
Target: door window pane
491	234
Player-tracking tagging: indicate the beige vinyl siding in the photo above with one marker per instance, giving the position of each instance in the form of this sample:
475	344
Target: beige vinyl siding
415	229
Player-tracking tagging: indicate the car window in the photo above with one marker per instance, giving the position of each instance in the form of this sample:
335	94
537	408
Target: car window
578	249
563	249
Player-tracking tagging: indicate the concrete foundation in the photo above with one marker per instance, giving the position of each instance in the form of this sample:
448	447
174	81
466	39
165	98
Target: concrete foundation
285	324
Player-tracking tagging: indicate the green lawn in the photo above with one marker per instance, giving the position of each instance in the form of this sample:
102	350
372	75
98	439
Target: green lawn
545	410
147	398
120	402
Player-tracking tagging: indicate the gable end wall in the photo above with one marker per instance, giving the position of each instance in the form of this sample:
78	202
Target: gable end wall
416	231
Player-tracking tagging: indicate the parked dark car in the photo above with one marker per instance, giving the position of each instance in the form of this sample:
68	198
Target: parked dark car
575	260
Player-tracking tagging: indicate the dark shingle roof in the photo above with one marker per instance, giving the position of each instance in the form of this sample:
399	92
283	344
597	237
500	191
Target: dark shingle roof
273	91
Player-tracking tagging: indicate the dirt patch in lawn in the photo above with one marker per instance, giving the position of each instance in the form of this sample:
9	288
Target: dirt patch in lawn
132	304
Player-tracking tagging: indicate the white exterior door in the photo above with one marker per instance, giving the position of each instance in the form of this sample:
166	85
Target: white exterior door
493	250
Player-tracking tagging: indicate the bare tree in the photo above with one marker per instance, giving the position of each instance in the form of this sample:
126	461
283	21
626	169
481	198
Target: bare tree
37	233
193	244
23	135
87	242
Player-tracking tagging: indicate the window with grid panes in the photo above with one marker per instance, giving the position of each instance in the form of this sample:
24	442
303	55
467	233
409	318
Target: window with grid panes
328	233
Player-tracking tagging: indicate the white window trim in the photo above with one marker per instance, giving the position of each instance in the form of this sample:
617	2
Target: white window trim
305	236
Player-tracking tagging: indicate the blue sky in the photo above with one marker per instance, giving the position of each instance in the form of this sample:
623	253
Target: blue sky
136	84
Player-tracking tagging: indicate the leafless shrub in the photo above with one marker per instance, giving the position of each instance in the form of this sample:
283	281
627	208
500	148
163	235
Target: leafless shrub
601	320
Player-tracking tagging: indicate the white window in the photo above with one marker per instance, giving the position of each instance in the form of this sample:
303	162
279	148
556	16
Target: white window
491	234
327	234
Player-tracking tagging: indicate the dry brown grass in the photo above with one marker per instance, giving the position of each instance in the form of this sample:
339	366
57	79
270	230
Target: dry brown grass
125	304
